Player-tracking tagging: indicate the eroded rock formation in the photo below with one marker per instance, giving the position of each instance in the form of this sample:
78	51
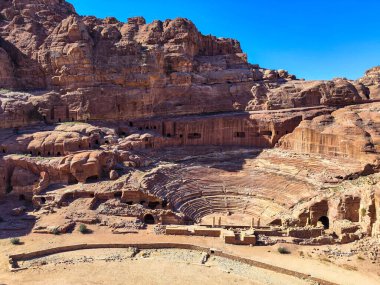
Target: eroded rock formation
348	132
372	81
138	70
130	123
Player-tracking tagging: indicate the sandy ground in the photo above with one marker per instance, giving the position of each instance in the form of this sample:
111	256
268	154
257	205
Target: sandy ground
134	272
149	271
171	266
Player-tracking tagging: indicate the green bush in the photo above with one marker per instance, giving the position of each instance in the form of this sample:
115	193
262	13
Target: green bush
15	241
283	250
83	229
3	90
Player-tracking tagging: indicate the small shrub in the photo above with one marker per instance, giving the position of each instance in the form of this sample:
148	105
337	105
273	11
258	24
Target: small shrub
83	229
363	212
15	241
1	220
283	250
3	90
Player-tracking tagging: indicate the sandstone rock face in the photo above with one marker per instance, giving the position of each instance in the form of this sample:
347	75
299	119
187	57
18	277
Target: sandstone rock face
6	73
87	165
24	27
31	175
295	94
350	212
15	110
55	141
372	81
139	70
27	176
348	132
130	123
23	180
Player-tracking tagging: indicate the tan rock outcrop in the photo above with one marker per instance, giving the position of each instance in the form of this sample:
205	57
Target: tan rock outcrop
371	80
86	165
57	141
139	70
295	94
162	124
348	132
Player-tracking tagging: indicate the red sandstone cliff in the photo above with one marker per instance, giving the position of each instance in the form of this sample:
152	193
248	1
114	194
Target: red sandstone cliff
135	69
164	84
372	80
352	131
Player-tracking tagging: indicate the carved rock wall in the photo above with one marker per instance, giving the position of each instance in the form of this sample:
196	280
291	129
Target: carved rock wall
352	131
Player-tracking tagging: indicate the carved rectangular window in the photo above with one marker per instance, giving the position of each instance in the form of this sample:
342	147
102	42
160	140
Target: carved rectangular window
194	136
240	135
266	133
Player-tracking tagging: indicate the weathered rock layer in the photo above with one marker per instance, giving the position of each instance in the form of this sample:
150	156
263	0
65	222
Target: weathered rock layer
174	126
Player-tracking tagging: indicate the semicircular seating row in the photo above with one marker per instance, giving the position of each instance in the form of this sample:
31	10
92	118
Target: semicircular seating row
203	191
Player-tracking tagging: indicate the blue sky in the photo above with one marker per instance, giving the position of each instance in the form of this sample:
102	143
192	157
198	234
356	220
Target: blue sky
313	39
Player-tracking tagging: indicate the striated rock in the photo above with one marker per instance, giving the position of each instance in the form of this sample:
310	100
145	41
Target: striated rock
371	80
139	70
295	94
135	123
348	132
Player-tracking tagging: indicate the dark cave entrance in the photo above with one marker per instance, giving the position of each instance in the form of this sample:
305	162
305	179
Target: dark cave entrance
149	219
325	222
92	179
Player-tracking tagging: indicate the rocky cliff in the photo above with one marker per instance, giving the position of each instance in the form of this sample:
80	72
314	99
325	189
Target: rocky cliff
371	79
352	131
85	99
136	69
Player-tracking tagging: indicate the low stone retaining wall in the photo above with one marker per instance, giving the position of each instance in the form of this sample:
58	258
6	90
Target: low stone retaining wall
305	233
13	259
207	232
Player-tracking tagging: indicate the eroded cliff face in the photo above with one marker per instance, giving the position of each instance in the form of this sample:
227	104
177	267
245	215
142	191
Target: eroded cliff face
296	94
372	80
163	114
348	132
137	70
